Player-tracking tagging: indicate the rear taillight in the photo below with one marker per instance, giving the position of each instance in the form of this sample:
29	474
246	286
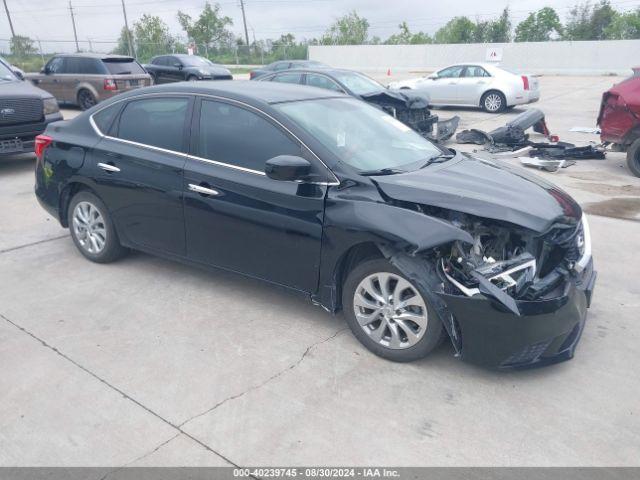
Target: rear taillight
252	75
42	142
525	82
110	84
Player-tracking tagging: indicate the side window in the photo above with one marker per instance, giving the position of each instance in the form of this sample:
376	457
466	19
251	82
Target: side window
173	61
55	65
475	71
320	81
239	137
73	65
451	72
281	66
104	118
91	66
287	78
158	122
162	61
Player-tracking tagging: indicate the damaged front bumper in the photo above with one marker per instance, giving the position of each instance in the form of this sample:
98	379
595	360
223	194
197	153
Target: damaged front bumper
546	331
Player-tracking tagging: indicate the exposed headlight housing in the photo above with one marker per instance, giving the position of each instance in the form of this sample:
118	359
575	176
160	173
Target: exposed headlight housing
583	240
202	71
50	106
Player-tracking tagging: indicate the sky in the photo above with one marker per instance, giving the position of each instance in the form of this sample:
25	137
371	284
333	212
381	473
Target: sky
100	21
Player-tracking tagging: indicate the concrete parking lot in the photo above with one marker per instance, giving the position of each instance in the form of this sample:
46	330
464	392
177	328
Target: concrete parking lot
149	362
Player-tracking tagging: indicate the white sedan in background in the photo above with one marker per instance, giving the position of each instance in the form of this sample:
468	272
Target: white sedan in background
482	85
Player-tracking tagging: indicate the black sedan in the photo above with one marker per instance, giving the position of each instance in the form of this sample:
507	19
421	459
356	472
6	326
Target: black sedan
411	108
328	196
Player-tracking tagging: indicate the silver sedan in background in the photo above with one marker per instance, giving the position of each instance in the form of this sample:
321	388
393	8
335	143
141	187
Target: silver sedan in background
484	85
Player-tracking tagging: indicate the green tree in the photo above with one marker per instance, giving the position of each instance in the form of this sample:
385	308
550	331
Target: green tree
405	37
499	30
21	46
152	37
624	27
210	29
539	26
590	22
351	29
122	48
457	30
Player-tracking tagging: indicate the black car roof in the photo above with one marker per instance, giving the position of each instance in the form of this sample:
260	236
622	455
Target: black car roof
266	92
326	70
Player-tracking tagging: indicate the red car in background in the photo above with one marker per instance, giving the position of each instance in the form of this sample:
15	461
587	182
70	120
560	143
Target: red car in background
619	119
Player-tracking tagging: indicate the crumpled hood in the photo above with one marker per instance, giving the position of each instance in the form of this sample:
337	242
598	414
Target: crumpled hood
394	97
486	189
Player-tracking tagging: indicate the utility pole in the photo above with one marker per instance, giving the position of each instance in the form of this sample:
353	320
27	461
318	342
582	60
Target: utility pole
132	50
244	20
73	21
6	9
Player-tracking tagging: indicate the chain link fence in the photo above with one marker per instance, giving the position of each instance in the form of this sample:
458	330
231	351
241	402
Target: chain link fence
35	57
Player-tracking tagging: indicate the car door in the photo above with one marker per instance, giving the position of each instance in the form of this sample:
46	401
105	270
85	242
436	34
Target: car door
235	216
49	79
472	84
174	71
70	77
138	168
443	87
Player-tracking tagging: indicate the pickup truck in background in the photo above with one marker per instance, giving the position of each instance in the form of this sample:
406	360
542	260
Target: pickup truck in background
179	67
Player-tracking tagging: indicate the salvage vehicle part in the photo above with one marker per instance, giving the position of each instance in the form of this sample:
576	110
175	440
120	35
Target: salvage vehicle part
484	85
546	164
619	119
411	108
327	196
565	150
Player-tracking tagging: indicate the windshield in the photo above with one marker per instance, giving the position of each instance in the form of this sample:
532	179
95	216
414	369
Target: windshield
358	83
123	67
360	135
193	61
5	73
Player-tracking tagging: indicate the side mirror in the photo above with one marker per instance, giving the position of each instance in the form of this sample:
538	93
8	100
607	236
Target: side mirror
45	70
178	66
19	74
287	168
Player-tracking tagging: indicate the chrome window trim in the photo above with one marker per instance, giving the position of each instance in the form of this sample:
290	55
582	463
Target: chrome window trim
206	160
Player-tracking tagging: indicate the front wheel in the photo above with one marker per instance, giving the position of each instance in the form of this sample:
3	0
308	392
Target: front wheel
192	78
388	314
633	158
493	102
92	230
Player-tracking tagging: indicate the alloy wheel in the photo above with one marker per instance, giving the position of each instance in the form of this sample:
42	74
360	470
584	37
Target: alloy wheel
86	100
89	228
390	310
493	102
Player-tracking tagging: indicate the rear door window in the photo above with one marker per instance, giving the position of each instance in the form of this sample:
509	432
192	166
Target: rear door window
451	72
281	66
104	118
158	122
123	67
475	71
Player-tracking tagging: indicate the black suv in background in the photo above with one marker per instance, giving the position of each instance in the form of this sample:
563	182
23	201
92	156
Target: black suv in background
25	112
180	67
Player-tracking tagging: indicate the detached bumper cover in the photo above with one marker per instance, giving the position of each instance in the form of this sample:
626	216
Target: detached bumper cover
546	332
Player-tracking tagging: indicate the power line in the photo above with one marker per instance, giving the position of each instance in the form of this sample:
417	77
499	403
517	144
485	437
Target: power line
73	21
244	20
132	50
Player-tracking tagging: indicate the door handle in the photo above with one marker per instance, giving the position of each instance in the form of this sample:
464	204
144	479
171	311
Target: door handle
108	168
203	190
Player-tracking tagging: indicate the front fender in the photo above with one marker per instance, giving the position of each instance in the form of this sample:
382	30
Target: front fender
350	222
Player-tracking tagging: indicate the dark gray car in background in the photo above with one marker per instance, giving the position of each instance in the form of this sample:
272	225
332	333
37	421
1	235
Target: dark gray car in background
284	65
180	67
84	79
25	111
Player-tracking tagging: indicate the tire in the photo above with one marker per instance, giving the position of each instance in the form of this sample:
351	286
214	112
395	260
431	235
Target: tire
192	78
493	101
86	100
87	212
378	338
633	157
154	81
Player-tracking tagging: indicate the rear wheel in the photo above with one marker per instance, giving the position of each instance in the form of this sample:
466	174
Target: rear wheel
389	314
86	100
92	230
493	102
633	158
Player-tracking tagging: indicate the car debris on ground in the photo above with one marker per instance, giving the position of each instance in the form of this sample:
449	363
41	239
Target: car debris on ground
513	139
